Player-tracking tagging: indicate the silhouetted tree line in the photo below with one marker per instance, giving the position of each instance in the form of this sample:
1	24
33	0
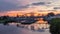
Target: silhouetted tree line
6	19
28	20
50	14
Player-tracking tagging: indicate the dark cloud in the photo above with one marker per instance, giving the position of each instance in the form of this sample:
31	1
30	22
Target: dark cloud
56	7
7	6
41	3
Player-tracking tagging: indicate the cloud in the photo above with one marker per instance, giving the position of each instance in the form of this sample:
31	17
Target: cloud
57	8
41	3
7	5
10	5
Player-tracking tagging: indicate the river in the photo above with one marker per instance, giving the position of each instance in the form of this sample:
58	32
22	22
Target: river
5	29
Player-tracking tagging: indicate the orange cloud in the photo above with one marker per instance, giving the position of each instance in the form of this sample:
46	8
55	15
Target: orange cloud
29	10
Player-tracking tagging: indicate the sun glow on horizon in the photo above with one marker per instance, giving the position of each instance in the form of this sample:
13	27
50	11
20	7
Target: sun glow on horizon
20	13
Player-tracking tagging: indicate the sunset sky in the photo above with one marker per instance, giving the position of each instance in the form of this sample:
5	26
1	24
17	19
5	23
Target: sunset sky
7	6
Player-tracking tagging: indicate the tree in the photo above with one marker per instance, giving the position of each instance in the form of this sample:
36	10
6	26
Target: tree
50	14
55	26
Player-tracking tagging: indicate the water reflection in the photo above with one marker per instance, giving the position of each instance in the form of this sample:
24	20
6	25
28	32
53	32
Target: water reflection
29	23
35	26
17	30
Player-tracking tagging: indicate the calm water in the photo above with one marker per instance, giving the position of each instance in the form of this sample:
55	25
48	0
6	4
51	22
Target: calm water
17	30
